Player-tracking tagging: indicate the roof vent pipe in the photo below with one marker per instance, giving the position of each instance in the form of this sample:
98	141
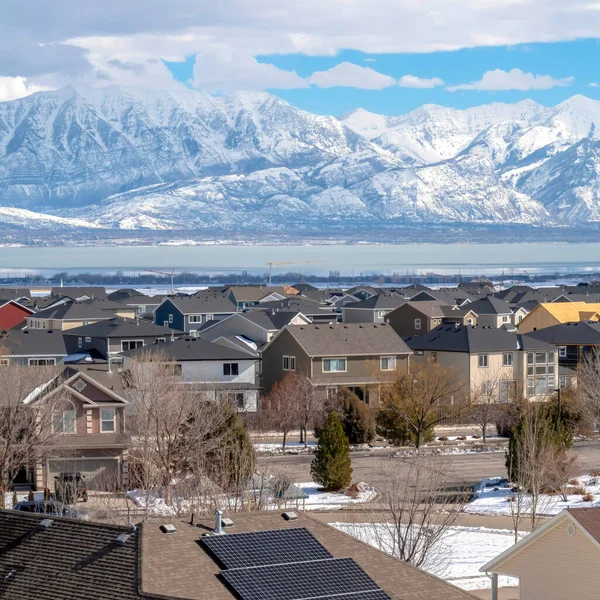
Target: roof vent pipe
219	522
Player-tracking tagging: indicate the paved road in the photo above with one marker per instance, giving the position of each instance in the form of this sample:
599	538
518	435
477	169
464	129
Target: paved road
464	469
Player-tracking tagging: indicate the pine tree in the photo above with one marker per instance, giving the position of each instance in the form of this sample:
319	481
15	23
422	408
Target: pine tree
331	466
357	418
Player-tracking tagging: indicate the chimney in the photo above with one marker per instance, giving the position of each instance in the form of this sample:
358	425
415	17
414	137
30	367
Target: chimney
218	522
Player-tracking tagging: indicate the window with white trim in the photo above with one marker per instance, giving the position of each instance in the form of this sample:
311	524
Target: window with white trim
540	373
80	342
63	421
289	363
387	363
171	318
193	319
381	314
505	319
41	362
141	310
230	369
107	420
4	362
486	388
483	361
131	344
507	359
334	365
88	340
469	321
209	318
417	323
562	352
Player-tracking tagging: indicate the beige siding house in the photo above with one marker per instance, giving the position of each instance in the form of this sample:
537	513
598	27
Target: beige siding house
560	560
548	314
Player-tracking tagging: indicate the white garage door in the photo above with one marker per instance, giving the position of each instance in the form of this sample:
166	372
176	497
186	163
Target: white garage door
100	473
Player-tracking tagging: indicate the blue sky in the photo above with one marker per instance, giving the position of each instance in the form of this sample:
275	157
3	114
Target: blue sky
326	56
578	60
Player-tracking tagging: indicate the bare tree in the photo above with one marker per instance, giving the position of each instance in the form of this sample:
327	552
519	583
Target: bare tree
588	388
421	507
29	427
425	397
175	426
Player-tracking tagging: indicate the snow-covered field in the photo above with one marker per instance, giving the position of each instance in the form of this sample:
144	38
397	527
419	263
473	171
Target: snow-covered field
317	499
492	497
465	551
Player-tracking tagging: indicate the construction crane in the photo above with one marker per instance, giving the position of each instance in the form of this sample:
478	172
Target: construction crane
171	275
276	263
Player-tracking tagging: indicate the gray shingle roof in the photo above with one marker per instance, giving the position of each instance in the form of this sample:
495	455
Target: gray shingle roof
32	342
379	302
78	292
567	334
72	310
210	302
490	306
121	327
70	560
348	339
473	339
191	349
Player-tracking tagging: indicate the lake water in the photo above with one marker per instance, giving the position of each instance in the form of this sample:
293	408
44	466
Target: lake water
309	259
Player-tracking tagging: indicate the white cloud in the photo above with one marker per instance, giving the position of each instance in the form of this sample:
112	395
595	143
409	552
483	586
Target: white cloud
347	74
594	84
12	88
515	79
225	71
411	81
369	59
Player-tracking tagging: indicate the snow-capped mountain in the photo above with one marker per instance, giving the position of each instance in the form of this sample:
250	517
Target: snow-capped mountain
126	158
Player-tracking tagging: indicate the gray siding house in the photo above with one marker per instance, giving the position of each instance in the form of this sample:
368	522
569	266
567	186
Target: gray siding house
189	313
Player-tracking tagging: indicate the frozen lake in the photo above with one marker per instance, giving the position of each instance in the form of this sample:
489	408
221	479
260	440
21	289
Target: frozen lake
309	259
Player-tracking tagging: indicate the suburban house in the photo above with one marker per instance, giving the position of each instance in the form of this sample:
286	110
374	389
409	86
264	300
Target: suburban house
90	425
110	337
317	313
492	312
169	559
354	356
548	314
219	370
418	318
558	560
72	313
491	359
189	313
143	305
33	347
245	296
80	293
372	310
12	313
259	326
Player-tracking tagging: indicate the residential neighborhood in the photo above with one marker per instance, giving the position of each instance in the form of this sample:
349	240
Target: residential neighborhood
232	382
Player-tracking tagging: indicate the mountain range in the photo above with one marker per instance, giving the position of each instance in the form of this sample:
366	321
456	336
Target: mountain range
121	158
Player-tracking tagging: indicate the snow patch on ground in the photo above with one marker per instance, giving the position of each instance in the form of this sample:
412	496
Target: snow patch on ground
467	550
448	450
492	497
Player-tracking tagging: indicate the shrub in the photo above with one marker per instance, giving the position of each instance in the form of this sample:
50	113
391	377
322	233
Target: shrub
573	482
579	491
443	438
357	418
331	466
475	437
462	438
588	497
595	474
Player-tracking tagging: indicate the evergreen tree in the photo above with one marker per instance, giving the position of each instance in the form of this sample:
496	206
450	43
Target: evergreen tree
357	418
331	466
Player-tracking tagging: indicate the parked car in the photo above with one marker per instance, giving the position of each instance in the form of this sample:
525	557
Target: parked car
48	507
70	487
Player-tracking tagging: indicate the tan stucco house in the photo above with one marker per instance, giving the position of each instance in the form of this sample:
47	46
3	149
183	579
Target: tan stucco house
558	561
548	314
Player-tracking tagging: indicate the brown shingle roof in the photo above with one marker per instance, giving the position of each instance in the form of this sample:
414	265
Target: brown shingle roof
589	519
177	565
348	339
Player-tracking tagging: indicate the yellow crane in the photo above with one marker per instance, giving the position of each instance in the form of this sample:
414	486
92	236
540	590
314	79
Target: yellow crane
171	275
276	263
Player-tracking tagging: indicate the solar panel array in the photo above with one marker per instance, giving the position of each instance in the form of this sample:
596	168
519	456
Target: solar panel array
288	564
293	581
265	547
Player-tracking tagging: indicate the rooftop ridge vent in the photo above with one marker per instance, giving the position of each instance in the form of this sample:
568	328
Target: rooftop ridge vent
122	539
45	523
168	528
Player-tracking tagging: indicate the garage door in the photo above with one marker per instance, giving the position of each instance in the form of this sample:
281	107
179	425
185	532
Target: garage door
100	473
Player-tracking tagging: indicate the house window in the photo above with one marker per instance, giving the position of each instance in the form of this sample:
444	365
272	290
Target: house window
161	339
107	420
131	344
63	421
88	340
482	361
331	392
486	388
79	342
292	363
192	319
540	373
507	359
4	362
380	314
209	318
165	323
334	365
240	401
230	369
507	390
286	363
562	352
41	362
505	319
388	363
417	323
519	318
469	321
433	357
141	310
170	318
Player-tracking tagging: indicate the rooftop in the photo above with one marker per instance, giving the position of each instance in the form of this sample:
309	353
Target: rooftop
119	327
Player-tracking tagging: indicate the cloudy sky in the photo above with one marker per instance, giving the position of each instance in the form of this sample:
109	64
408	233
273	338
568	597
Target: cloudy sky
327	56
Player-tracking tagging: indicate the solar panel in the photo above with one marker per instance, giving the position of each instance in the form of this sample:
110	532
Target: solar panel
376	595
336	578
265	547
